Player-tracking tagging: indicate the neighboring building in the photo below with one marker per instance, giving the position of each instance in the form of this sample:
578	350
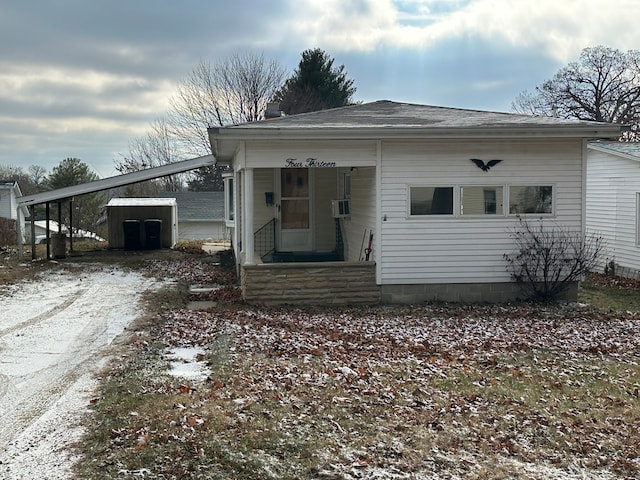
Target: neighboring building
9	211
40	227
142	223
200	215
613	202
410	188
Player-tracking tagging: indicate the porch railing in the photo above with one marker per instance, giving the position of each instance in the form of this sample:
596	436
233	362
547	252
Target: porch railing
264	239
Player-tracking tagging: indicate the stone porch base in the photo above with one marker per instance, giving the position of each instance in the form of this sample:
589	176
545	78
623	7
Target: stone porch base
325	283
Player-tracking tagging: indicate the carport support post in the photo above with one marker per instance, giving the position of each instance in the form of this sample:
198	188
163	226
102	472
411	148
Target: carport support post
32	213
59	217
47	233
71	225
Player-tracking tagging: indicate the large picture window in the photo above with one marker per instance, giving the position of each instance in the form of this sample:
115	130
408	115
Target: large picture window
536	199
431	200
481	200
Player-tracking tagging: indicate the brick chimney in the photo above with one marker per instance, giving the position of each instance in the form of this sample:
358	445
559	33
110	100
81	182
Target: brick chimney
272	111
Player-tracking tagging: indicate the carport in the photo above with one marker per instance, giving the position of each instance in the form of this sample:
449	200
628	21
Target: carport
68	194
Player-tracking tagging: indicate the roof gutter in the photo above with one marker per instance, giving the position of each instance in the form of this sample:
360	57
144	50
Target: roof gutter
221	135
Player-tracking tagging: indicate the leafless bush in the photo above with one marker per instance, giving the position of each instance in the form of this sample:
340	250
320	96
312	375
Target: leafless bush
8	234
548	259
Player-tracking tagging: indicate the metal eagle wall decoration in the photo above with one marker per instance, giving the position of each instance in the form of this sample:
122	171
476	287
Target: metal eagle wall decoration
485	167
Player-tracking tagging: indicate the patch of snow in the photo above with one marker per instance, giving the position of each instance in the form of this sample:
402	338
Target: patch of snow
187	363
55	334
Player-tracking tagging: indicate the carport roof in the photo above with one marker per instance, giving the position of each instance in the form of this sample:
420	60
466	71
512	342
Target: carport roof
142	202
117	181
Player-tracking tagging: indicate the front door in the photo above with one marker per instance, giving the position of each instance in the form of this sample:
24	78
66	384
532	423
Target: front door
295	210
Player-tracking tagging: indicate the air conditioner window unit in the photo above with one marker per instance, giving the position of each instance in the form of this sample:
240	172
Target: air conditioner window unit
340	208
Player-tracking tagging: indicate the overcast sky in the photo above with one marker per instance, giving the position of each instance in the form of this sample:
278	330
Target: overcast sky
82	78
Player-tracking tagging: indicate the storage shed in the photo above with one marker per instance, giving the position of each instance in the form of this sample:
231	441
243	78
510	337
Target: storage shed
142	223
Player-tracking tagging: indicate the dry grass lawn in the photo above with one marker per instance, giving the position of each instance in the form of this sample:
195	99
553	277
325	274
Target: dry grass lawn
432	391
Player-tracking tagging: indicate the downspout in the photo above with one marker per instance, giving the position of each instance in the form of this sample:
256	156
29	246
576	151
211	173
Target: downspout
583	216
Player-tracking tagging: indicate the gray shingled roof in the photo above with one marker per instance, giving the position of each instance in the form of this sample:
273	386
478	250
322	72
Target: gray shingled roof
198	206
385	120
385	113
627	149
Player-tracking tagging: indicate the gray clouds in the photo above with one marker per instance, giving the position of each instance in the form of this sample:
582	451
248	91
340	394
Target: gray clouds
82	79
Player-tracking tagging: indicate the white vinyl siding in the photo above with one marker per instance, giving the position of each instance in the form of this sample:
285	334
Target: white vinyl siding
263	181
8	203
276	154
363	217
456	249
326	189
613	184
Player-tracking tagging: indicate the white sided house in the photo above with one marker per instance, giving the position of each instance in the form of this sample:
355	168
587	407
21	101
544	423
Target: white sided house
395	202
613	202
9	212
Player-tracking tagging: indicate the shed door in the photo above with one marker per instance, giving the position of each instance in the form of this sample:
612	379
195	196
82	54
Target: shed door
295	210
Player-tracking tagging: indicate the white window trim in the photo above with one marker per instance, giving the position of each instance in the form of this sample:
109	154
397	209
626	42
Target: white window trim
457	214
554	194
501	214
456	201
229	200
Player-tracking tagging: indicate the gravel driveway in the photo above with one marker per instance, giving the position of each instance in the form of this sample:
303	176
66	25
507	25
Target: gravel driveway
55	334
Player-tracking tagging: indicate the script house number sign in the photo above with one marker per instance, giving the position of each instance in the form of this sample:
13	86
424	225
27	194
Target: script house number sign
308	163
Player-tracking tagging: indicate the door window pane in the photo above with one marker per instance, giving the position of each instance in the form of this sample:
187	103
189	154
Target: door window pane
295	214
294	182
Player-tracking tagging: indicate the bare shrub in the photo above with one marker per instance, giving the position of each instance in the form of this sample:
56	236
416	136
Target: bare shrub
8	234
548	259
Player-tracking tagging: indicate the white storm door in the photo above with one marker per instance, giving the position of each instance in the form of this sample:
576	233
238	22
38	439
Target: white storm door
295	210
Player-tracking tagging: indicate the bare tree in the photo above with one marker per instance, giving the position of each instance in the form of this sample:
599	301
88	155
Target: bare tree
31	181
233	91
603	85
156	148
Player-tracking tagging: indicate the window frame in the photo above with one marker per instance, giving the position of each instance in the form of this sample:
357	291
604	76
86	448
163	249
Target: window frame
229	199
552	213
346	185
431	215
500	202
506	202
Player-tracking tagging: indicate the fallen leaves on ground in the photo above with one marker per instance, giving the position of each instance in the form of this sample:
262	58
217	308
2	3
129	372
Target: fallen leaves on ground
431	391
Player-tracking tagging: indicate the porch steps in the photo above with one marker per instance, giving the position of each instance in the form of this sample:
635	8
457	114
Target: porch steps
311	283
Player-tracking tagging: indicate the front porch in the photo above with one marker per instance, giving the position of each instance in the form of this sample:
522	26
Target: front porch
297	237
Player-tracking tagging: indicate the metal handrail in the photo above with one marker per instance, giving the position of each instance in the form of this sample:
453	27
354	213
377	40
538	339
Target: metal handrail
264	239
